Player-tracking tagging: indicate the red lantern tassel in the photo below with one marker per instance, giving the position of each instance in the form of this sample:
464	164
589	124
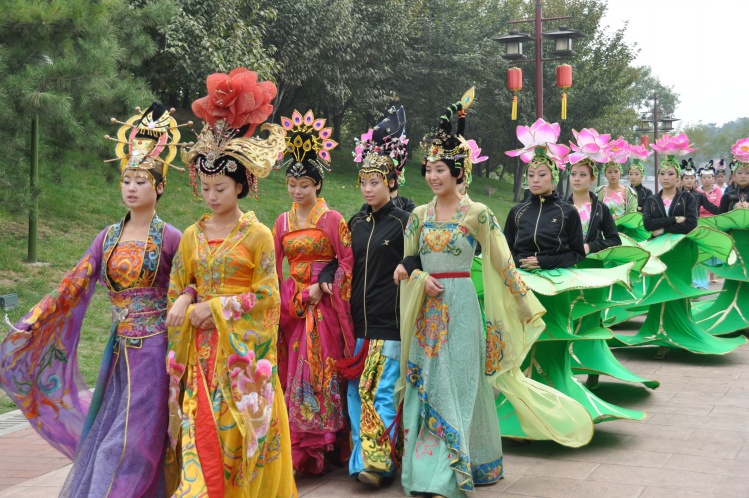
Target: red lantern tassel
514	115
564	106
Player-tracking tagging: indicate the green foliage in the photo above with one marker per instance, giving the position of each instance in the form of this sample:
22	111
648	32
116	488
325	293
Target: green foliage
70	62
199	38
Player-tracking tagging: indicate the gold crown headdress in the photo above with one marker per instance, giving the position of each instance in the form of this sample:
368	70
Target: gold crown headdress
147	135
308	144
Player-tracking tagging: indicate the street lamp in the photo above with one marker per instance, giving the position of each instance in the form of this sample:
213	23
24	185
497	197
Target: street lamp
514	45
563	41
562	48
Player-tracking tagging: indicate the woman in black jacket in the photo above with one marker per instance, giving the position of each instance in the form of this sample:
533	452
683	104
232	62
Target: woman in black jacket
377	244
598	227
671	210
736	195
545	231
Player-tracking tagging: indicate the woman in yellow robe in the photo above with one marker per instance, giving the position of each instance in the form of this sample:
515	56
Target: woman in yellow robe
228	424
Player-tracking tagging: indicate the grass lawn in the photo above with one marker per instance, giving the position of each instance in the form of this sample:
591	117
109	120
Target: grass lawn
74	209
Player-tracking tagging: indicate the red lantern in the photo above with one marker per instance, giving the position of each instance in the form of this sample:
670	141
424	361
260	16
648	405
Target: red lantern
514	84
645	140
564	81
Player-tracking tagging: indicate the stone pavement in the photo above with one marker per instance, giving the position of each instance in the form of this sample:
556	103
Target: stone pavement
694	443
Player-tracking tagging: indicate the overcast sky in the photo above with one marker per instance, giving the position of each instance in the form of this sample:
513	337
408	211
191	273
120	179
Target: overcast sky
699	47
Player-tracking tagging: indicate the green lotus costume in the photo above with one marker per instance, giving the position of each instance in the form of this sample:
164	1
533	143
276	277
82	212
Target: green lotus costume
574	299
669	322
728	312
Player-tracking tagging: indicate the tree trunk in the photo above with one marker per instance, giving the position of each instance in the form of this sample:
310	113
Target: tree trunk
518	184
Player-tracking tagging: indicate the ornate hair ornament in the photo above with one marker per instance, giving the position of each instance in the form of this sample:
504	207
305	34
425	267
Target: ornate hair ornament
143	138
382	149
540	147
235	105
591	148
638	153
308	144
706	170
453	150
672	146
740	151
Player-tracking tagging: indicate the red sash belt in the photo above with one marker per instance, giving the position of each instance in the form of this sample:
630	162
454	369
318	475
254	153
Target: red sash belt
451	274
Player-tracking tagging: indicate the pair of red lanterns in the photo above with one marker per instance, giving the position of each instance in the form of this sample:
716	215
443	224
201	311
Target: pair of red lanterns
515	84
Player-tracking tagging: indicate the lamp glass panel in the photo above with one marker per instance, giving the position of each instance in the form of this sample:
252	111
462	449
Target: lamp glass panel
562	44
514	48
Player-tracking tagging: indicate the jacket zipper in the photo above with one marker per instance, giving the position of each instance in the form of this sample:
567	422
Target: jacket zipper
366	271
535	231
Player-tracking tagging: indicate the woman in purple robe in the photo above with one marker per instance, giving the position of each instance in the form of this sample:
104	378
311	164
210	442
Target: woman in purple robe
117	435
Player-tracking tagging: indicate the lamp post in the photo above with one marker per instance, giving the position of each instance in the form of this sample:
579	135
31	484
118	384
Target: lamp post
562	48
667	126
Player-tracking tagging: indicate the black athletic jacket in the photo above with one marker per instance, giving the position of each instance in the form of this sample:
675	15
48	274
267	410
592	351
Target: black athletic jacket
377	243
602	232
655	215
546	227
731	196
642	194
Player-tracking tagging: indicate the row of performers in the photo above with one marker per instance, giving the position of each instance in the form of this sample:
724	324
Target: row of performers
388	326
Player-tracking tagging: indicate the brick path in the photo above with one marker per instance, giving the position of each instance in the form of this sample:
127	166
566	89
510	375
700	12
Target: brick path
694	443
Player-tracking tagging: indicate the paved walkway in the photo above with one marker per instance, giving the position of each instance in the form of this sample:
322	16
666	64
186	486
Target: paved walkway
694	442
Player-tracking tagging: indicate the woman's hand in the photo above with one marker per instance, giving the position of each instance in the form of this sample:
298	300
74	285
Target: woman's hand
681	219
741	205
587	248
176	314
433	287
400	274
314	294
529	264
657	232
327	288
201	316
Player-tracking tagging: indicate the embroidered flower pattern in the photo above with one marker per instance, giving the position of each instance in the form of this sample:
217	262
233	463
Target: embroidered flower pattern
431	326
252	389
235	306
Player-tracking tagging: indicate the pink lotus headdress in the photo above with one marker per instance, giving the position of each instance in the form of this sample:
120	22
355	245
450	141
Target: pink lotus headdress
590	145
740	150
673	146
540	147
638	153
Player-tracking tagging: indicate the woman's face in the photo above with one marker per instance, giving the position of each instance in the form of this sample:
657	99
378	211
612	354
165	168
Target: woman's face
439	178
580	178
221	194
707	182
741	177
668	178
375	190
720	177
635	177
540	180
688	181
303	191
613	174
137	191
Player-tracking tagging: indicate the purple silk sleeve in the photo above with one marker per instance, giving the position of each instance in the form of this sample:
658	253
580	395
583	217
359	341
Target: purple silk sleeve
38	362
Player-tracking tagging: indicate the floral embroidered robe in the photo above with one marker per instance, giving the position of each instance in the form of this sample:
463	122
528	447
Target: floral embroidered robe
116	435
449	363
228	425
314	337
